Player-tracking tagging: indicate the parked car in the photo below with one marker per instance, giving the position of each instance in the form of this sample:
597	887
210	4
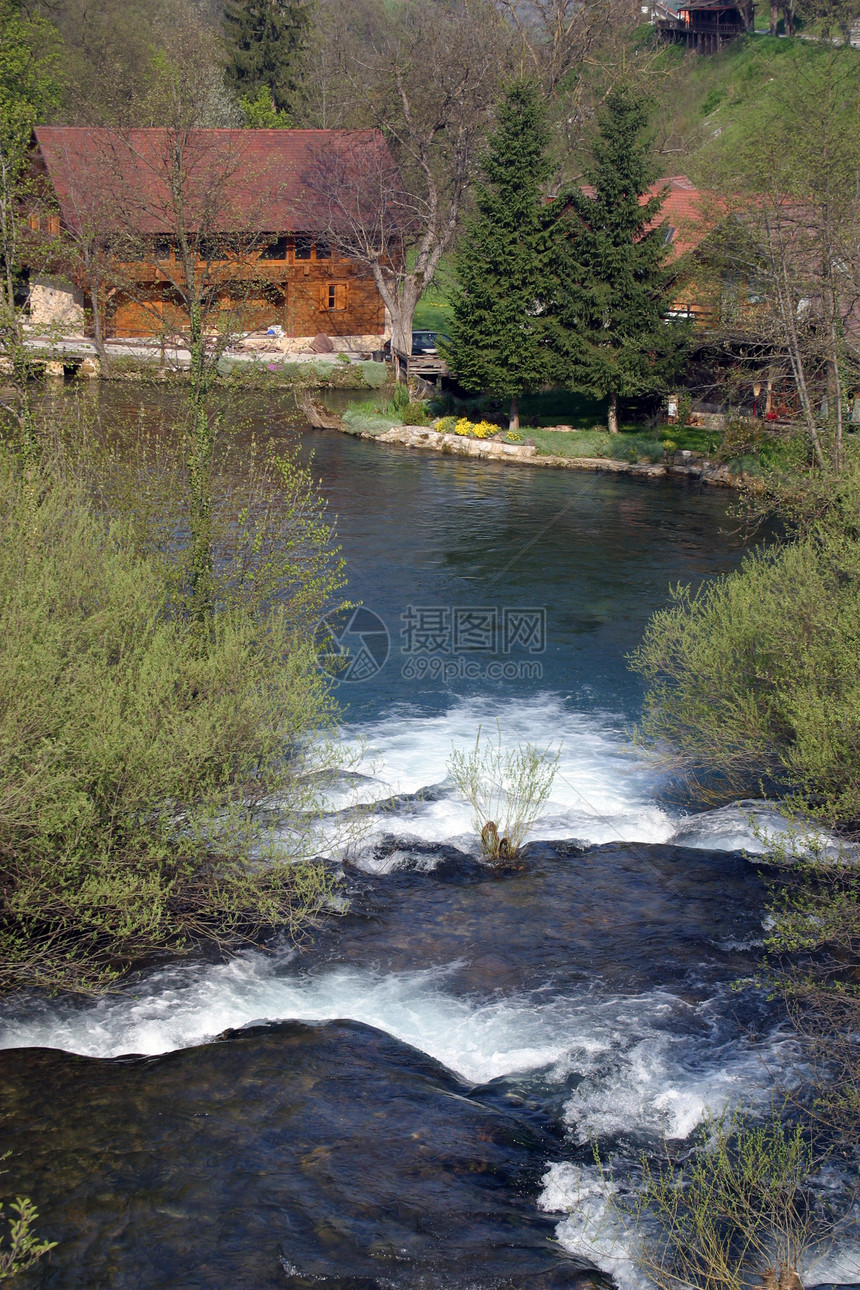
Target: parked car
424	342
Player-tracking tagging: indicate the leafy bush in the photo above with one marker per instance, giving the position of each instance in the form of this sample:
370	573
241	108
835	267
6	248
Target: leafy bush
755	676
735	1208
361	420
21	1249
136	748
741	436
399	400
446	425
375	375
414	414
506	789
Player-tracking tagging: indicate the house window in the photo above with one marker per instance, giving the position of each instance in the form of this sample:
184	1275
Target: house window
323	251
334	296
275	250
161	250
303	248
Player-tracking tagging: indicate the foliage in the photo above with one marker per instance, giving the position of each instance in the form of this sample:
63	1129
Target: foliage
31	79
415	414
363	420
446	425
20	1249
259	111
735	1207
498	328
264	40
30	87
597	442
755	675
612	289
426	76
787	241
506	789
137	753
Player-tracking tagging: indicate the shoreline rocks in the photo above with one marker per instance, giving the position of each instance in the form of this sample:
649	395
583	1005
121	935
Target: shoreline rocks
428	439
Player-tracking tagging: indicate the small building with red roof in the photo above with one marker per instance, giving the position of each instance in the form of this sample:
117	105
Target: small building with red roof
132	203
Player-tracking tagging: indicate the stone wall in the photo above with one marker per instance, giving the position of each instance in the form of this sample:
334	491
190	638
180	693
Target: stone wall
54	303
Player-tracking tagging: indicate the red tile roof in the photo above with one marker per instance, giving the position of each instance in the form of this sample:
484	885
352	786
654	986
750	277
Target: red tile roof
235	180
682	211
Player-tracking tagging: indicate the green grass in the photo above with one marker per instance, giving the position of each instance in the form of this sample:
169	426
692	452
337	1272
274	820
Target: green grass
704	103
358	420
633	447
434	307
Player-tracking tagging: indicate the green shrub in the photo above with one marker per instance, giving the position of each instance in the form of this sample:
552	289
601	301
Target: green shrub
20	1248
361	420
506	789
755	676
415	414
734	1210
136	749
375	375
399	400
446	425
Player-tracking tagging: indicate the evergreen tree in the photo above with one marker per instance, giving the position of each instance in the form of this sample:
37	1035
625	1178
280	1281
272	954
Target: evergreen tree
498	332
265	39
612	285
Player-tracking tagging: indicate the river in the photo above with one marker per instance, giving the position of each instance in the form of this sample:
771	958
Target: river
410	1097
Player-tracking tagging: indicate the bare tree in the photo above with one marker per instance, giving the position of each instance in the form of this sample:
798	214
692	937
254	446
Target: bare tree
188	260
428	81
791	245
559	37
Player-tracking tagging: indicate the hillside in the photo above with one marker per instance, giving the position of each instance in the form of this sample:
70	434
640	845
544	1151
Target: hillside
706	103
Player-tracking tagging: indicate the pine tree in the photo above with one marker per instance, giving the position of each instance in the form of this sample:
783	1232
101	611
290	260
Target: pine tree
612	286
498	330
265	39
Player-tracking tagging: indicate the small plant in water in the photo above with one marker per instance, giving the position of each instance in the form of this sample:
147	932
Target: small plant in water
734	1210
19	1247
506	789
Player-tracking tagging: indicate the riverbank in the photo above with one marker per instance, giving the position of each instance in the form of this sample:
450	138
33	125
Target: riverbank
526	454
76	356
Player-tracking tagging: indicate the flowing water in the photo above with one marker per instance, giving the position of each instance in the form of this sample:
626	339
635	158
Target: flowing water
410	1097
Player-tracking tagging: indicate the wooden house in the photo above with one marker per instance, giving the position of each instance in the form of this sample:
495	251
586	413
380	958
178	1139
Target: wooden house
130	218
703	25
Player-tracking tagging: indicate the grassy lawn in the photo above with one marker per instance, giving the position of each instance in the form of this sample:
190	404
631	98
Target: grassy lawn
597	443
434	308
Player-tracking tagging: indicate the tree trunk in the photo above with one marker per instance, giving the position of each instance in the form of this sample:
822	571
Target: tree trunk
401	334
612	417
97	298
514	414
774	16
199	472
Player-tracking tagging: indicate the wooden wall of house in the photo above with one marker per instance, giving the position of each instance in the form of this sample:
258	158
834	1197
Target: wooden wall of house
304	296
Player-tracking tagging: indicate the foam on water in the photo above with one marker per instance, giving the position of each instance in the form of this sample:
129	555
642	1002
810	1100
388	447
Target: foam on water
593	1229
478	1040
635	1070
597	1229
666	1083
601	792
752	826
